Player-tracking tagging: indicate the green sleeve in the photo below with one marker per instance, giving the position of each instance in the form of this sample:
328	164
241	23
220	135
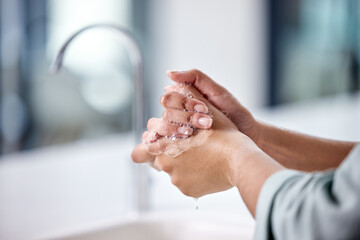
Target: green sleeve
320	205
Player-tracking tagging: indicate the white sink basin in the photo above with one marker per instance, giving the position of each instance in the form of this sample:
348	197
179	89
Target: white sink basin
161	227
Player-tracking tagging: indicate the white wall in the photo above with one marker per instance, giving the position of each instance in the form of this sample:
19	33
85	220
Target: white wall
224	39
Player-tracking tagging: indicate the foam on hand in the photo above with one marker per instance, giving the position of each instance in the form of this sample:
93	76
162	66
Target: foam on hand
173	145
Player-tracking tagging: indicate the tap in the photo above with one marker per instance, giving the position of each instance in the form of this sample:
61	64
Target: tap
140	172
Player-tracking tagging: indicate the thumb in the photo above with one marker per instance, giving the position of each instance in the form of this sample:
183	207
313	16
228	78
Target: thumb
216	94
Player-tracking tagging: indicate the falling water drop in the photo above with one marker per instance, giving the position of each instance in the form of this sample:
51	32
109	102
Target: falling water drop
196	204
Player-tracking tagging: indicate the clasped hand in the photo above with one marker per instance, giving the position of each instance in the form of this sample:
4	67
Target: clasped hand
194	142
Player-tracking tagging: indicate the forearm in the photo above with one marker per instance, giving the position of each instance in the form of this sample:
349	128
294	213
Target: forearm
302	152
250	174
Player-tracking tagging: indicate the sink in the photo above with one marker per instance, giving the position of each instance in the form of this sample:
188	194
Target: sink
171	227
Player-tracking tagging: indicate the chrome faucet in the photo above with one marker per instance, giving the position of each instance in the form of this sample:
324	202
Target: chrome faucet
140	172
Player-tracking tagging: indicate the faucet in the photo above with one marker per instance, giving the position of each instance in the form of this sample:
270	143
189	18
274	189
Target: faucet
140	172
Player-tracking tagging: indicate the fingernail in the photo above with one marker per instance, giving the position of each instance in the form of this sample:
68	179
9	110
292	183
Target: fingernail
175	72
201	108
172	71
185	130
205	121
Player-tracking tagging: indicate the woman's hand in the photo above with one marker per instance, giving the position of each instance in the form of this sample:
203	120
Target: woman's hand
286	147
222	99
214	159
221	153
208	163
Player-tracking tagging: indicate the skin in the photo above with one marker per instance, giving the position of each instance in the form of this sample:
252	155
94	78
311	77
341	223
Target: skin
239	150
287	147
224	157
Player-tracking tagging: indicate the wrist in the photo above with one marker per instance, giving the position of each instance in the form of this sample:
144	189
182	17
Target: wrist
247	158
251	170
258	136
242	154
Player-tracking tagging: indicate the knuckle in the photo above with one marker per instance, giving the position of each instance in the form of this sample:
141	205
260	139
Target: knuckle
195	101
166	114
150	123
196	71
155	166
194	119
176	181
198	74
144	136
165	98
161	164
134	156
166	168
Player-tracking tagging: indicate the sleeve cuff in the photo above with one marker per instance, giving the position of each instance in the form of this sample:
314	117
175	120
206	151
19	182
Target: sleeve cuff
265	202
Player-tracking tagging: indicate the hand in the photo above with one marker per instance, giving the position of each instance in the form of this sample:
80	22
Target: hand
210	163
222	99
183	115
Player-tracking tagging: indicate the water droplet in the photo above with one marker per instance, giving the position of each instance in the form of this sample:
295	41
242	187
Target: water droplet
196	205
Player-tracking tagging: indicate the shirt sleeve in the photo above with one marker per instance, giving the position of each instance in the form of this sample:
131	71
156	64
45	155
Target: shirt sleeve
324	205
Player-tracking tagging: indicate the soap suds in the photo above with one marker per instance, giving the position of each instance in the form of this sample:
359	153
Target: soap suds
173	146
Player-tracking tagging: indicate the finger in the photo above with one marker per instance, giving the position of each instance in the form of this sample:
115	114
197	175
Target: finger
182	102
190	92
149	136
203	83
154	165
141	155
205	123
187	90
197	120
163	128
157	147
153	148
212	91
162	163
152	122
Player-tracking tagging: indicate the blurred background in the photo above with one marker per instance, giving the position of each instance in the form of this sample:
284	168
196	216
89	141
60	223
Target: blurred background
284	60
266	52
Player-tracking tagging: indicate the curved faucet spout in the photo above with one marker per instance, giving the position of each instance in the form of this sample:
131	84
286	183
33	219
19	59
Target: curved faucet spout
141	176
